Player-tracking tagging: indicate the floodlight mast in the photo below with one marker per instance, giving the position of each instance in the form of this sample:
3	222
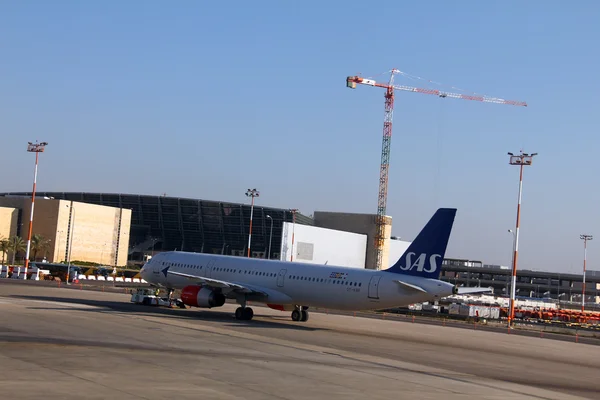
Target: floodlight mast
522	160
251	193
36	148
585	238
293	211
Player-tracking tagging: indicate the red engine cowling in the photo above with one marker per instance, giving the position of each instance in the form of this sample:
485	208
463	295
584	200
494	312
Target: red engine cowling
203	297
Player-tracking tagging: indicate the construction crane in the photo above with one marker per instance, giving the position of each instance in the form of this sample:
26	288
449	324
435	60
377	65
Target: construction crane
351	82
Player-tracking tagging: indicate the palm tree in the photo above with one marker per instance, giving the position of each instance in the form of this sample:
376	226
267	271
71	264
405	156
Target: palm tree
39	243
16	245
4	248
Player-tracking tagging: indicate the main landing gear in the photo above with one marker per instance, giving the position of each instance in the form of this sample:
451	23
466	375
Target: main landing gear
300	314
243	313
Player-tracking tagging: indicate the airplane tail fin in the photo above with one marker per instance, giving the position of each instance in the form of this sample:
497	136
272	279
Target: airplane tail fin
425	254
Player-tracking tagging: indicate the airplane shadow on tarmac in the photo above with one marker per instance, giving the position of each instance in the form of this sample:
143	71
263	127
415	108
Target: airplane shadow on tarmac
191	314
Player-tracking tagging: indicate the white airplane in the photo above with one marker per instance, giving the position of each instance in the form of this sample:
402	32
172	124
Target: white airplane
207	280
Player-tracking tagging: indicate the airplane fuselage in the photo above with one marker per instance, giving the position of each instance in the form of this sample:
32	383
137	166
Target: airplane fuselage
292	283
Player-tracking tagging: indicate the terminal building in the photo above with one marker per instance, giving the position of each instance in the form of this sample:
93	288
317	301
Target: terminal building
67	230
563	287
161	223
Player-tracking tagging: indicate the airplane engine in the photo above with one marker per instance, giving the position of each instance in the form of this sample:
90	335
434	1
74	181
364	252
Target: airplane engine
203	297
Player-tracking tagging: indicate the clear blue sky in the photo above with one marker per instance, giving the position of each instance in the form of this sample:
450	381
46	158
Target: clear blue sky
201	100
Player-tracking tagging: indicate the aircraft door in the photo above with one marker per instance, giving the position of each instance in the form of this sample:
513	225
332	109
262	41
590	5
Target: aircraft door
209	267
374	287
281	277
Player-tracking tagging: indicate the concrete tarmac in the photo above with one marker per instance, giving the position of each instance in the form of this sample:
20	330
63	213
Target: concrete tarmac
59	343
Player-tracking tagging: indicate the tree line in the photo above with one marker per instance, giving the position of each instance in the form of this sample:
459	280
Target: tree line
15	245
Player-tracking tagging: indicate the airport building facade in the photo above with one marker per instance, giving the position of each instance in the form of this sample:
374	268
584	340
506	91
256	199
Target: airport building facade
69	230
161	223
565	288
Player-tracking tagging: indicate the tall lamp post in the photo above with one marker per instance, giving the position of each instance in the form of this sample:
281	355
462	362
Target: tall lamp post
512	232
72	229
293	211
36	148
585	238
522	160
251	193
270	237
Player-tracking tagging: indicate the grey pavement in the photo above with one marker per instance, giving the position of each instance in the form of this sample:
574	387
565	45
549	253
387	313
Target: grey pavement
59	343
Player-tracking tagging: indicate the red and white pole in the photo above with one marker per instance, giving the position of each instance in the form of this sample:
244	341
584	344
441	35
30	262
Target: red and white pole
522	160
36	148
516	251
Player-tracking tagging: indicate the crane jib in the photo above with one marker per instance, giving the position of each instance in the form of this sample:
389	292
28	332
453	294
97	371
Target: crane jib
351	82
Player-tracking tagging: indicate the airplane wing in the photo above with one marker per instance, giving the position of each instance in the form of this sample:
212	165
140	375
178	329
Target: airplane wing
470	290
218	283
410	286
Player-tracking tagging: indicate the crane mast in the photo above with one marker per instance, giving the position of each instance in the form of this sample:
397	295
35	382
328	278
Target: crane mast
351	82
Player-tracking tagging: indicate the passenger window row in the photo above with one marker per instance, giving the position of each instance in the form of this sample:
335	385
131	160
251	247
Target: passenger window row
231	270
270	274
326	281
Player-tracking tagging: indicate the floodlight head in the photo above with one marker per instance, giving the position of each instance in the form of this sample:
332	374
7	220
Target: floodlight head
36	147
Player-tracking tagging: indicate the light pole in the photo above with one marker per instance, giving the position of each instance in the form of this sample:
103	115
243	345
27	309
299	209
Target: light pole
251	193
36	148
522	160
511	252
585	238
70	240
270	237
514	238
293	210
59	232
154	240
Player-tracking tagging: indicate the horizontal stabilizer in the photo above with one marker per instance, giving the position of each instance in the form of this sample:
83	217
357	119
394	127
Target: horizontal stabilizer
410	286
471	290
